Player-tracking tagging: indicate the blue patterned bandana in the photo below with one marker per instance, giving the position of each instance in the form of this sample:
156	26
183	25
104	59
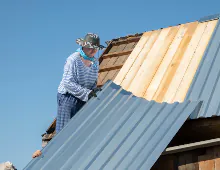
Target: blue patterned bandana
92	59
84	55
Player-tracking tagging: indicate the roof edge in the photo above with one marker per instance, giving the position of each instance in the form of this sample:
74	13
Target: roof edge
210	17
203	19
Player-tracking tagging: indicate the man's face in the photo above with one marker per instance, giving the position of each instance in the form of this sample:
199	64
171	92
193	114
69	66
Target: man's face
90	52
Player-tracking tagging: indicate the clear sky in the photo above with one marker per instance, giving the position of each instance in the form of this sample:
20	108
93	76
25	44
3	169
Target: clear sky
36	37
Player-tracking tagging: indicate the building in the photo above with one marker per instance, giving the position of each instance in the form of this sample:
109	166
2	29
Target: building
139	124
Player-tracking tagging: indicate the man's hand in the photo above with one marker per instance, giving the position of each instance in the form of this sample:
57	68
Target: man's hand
93	92
36	154
97	89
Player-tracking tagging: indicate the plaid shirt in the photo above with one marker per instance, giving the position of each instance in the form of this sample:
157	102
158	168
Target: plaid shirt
78	79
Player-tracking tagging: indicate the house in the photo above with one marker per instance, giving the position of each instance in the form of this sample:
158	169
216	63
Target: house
160	111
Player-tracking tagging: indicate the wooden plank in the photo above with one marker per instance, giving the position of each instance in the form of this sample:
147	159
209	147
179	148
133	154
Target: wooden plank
116	72
110	68
194	63
106	60
109	62
115	63
109	76
106	50
171	70
217	163
189	162
113	60
121	48
130	46
131	58
116	54
101	77
121	60
104	63
151	90
181	163
165	161
139	60
127	40
206	162
174	84
113	49
217	157
152	61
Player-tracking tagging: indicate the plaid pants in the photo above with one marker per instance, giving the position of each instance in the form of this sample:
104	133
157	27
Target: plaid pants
68	106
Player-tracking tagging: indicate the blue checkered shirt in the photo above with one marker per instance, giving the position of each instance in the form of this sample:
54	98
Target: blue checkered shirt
78	79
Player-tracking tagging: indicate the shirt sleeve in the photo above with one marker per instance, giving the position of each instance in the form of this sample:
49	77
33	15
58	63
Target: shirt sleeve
70	82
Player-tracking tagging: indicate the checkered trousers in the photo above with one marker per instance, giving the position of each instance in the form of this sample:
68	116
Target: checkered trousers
68	106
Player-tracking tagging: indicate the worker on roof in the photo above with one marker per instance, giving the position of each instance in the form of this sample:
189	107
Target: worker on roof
79	80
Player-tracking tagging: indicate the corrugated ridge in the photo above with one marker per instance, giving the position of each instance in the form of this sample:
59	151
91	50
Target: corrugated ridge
112	128
206	82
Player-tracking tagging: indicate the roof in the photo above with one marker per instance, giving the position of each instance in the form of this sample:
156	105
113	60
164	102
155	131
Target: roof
162	65
173	64
115	130
170	65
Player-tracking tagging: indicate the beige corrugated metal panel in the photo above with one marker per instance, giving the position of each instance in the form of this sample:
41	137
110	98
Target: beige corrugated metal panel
163	63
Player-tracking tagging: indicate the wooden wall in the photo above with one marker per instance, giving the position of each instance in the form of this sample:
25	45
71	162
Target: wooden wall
199	159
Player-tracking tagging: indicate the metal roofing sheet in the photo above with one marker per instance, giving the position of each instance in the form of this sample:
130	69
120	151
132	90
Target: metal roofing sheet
116	130
163	63
206	83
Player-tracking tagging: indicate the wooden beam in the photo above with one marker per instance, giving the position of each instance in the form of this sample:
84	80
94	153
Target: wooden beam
116	54
192	146
127	40
110	68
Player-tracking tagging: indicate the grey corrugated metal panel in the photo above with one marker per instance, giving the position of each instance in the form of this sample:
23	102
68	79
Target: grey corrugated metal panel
79	119
152	135
210	17
206	83
113	129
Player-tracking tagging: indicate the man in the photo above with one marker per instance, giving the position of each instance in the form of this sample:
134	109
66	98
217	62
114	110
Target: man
79	79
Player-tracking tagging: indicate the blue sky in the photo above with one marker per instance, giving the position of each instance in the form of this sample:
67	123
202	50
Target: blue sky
36	37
